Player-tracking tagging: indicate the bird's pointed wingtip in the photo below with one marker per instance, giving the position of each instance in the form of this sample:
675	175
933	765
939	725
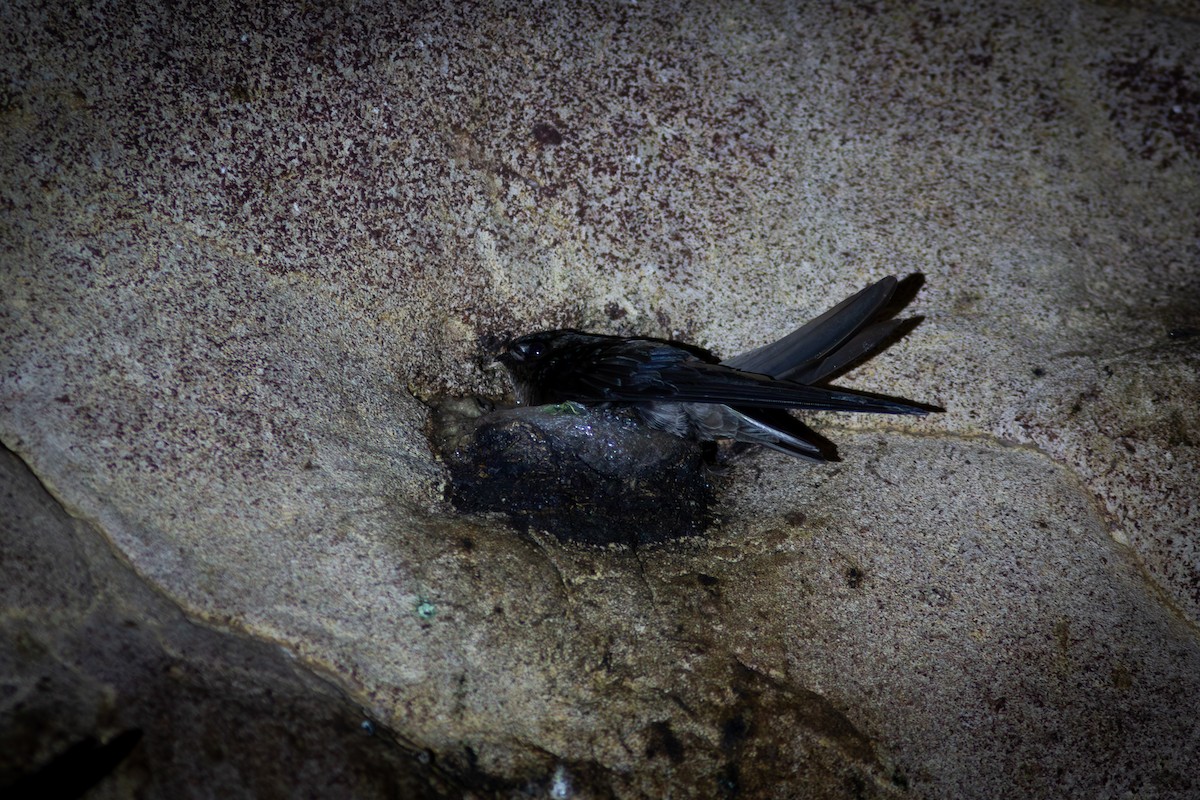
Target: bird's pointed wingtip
922	409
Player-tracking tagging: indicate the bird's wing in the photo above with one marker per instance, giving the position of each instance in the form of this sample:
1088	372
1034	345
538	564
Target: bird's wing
699	382
858	346
626	370
803	349
641	371
758	431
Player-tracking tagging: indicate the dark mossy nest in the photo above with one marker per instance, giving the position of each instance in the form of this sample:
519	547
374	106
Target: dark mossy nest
584	474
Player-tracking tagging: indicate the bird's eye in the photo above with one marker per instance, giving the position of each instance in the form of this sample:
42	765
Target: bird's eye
527	351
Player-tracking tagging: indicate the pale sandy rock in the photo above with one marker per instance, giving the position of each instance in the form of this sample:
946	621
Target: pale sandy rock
240	248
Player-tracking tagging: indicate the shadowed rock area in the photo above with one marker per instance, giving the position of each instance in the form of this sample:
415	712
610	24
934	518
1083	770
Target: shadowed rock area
91	656
242	245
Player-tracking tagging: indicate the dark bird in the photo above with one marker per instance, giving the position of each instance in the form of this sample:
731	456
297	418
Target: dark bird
687	391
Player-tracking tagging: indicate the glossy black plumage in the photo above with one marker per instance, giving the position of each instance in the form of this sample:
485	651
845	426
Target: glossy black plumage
687	391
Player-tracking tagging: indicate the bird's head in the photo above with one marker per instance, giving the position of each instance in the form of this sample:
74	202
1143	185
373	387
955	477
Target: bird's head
524	357
526	350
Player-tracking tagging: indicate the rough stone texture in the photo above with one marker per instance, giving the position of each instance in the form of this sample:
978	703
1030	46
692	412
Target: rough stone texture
88	650
240	245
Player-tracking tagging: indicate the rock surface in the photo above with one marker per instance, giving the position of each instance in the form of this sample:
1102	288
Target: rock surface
89	651
242	246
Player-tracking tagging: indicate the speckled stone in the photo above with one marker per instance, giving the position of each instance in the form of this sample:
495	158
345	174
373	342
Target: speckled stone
241	246
89	651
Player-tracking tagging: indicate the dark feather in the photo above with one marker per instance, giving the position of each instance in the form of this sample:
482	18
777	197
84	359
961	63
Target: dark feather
687	391
594	368
809	344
